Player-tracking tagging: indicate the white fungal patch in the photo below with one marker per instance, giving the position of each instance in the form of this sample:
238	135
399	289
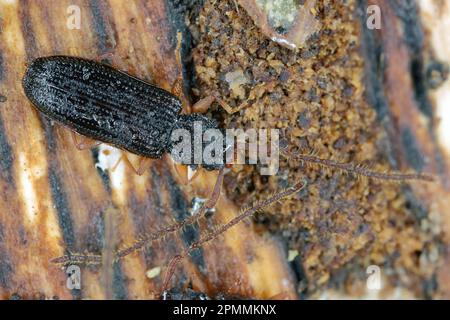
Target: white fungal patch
108	160
8	2
280	12
153	273
107	157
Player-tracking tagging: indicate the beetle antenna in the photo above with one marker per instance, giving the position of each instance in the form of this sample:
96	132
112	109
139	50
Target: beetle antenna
357	169
244	214
154	236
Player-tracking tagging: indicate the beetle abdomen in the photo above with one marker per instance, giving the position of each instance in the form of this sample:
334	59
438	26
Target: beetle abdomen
103	103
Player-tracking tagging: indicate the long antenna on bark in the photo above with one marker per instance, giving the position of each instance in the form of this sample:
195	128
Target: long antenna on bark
357	169
245	213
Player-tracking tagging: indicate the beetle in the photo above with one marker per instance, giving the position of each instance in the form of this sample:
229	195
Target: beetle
108	105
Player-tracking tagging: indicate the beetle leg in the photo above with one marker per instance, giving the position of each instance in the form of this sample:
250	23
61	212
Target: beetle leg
230	109
82	142
203	105
244	214
211	203
114	167
177	87
186	177
178	91
148	238
182	176
144	164
170	271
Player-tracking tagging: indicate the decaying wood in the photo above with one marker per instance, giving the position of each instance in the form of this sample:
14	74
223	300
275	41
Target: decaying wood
435	16
53	198
412	120
355	94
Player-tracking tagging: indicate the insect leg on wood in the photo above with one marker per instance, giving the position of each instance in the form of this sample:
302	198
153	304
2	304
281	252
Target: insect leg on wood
356	169
82	142
142	166
245	213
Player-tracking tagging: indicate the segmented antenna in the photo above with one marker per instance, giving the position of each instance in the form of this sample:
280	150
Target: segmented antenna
245	213
78	259
155	236
357	169
89	259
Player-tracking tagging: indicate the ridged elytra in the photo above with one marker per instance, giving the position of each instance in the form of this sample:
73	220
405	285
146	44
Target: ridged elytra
108	105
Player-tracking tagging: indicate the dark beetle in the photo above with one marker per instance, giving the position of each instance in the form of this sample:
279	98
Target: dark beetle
109	105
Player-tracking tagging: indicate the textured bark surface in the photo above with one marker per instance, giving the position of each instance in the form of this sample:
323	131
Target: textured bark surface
354	94
435	17
409	74
54	199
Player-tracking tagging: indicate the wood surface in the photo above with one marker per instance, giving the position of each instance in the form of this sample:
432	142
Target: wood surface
54	200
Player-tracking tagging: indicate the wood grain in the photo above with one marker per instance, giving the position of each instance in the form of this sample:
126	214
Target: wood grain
406	101
54	199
